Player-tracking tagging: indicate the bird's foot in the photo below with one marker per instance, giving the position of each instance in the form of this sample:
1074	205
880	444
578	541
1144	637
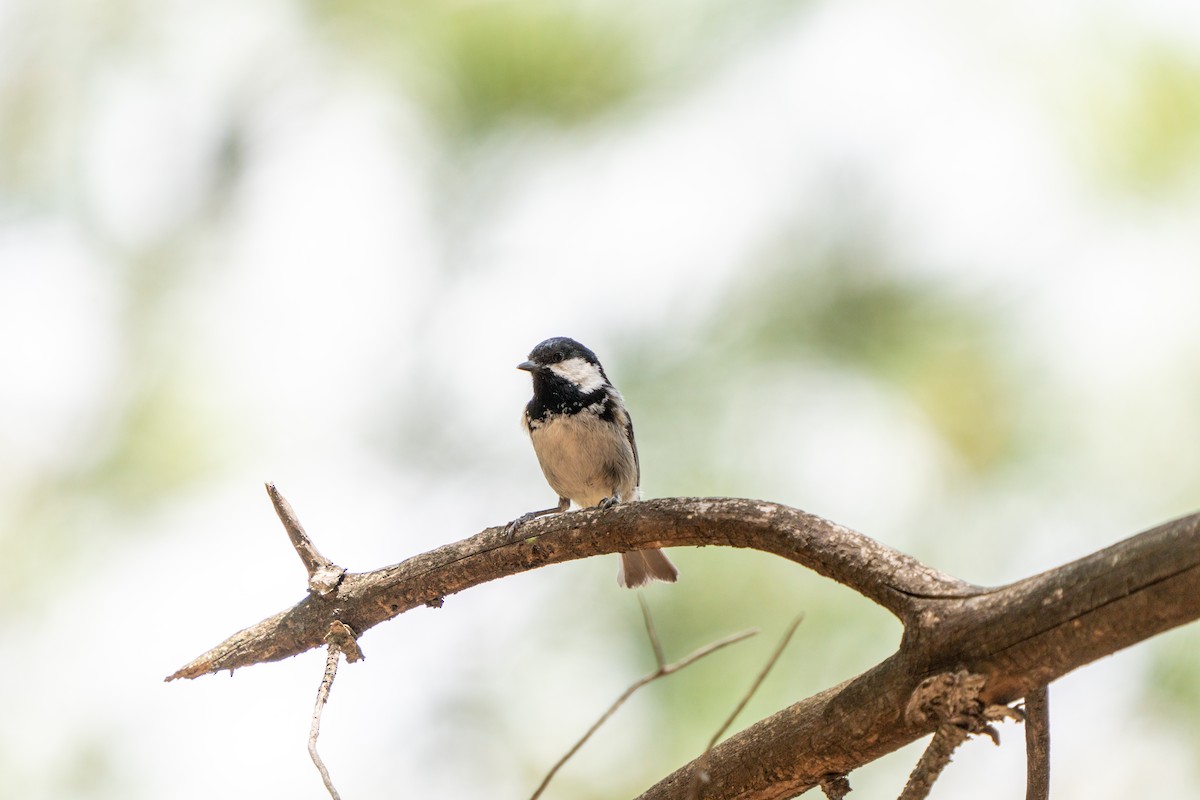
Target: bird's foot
510	530
608	502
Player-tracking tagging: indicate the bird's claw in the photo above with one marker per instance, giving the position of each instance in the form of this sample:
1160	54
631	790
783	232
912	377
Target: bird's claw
608	502
510	530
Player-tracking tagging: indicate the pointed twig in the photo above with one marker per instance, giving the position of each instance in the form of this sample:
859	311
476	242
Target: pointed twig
323	575
1037	744
663	670
701	775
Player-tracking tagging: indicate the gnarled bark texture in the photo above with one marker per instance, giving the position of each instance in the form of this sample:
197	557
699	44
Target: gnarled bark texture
1018	637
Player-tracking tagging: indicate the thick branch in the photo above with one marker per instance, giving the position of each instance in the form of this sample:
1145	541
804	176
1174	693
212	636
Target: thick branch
1018	637
364	600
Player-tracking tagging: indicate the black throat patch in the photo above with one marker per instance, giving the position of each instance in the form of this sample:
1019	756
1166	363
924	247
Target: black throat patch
554	395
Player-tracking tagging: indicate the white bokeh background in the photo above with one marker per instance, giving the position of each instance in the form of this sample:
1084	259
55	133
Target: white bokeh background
344	318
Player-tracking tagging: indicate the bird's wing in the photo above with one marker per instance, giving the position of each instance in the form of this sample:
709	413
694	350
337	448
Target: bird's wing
637	464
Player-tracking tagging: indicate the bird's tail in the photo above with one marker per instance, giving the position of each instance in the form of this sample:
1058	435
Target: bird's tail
642	566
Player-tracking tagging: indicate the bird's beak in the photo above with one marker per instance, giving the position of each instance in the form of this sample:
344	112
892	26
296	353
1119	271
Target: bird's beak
528	366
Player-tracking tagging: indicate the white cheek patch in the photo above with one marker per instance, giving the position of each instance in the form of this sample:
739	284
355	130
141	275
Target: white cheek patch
579	372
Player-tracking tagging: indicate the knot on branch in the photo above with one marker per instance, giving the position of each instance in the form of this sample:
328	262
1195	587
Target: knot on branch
343	638
325	579
835	786
952	699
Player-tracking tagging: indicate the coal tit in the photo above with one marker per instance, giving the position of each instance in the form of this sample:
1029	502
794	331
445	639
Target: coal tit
584	442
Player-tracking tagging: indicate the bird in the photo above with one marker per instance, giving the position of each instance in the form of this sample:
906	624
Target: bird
583	438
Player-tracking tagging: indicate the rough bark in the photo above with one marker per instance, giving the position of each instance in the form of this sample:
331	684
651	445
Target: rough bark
1018	637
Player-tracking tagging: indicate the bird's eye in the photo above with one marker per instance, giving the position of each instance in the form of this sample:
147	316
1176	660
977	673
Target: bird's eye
559	355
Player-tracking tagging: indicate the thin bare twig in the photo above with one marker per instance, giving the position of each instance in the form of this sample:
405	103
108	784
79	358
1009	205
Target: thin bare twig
323	575
331	665
662	670
659	658
341	640
701	776
1037	744
762	674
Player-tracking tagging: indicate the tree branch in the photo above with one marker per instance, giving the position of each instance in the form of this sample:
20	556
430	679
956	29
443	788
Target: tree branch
1017	638
363	600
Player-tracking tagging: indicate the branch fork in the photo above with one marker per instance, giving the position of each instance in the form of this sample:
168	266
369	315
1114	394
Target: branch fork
985	648
324	578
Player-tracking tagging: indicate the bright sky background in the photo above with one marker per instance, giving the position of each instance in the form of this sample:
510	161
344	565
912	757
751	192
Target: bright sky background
336	293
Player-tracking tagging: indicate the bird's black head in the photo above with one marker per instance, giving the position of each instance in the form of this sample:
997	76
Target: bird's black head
563	368
558	350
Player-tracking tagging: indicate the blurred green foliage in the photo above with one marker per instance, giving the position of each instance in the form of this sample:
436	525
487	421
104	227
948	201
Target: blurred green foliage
845	306
836	304
152	452
479	66
1147	123
841	634
856	311
476	68
89	766
155	443
535	60
23	131
1172	687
